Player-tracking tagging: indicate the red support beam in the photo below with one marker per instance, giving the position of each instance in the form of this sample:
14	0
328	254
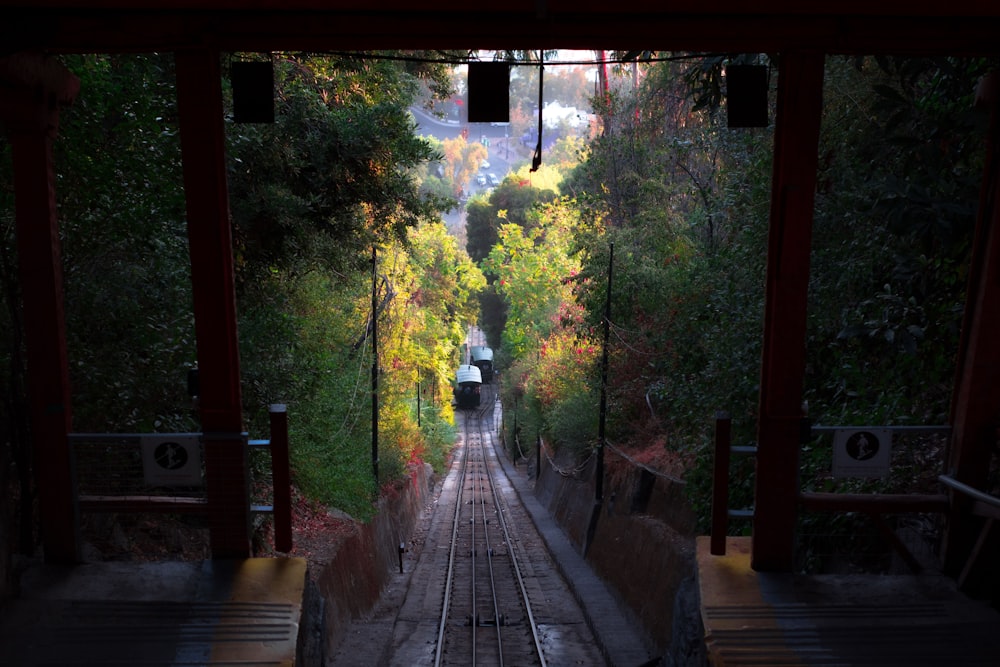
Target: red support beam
976	396
796	140
32	88
199	102
874	503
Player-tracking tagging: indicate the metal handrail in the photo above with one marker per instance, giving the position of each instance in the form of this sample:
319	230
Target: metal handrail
969	491
721	513
127	437
277	445
819	428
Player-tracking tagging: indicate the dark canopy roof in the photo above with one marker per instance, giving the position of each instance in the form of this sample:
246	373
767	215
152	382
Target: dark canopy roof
847	26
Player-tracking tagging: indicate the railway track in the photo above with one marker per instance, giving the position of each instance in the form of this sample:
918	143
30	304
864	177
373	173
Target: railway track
483	589
486	616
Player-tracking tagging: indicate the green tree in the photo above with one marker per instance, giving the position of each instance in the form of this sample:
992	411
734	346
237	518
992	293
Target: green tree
342	181
448	284
337	173
902	164
462	161
688	203
515	197
125	264
533	267
549	350
511	202
310	195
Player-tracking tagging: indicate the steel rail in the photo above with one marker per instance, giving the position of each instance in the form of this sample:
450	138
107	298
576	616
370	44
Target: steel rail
485	515
474	618
476	458
465	478
450	575
507	539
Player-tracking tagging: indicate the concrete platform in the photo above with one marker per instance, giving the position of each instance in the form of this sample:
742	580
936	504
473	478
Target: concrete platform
242	612
755	618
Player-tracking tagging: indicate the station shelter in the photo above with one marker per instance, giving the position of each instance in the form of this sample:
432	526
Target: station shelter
35	87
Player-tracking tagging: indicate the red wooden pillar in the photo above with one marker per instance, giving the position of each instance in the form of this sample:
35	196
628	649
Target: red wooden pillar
796	138
199	101
34	87
976	396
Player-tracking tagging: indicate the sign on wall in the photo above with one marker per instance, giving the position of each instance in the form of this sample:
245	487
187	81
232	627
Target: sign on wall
171	460
861	452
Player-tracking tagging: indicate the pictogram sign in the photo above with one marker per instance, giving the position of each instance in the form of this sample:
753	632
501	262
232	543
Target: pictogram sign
861	452
171	460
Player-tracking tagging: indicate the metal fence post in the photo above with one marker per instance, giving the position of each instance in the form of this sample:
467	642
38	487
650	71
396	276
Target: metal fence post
281	478
720	484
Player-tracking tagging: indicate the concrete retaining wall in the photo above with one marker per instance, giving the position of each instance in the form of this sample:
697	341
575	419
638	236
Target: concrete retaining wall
640	538
640	543
351	582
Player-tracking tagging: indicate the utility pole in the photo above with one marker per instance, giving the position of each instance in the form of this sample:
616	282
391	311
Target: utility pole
602	413
374	365
595	511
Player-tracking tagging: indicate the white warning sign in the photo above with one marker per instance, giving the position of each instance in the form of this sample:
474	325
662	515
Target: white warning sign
171	460
861	452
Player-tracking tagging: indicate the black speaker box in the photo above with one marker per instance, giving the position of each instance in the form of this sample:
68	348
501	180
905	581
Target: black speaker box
253	91
489	92
746	95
